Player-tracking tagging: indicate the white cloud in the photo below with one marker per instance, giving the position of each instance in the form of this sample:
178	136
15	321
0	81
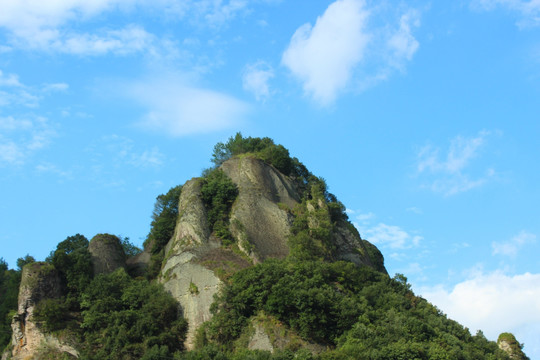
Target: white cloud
323	56
55	87
47	25
9	80
415	210
176	108
402	43
447	174
217	12
255	79
529	11
390	235
344	49
47	167
511	247
17	93
493	302
364	218
122	150
130	39
21	137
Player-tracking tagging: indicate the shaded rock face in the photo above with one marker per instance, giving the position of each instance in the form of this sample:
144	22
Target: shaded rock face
107	253
137	265
260	222
39	281
190	283
259	216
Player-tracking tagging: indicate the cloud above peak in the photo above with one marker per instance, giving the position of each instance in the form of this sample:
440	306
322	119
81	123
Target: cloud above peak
323	56
176	108
343	49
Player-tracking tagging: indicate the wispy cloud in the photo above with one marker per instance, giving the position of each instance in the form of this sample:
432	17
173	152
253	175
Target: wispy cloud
21	137
255	79
341	46
514	245
493	302
53	25
124	151
384	235
15	93
528	11
448	174
392	236
176	108
49	168
402	44
9	80
128	40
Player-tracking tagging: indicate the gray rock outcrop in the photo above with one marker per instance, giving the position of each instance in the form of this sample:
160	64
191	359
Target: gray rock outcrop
260	222
190	283
39	281
107	253
259	216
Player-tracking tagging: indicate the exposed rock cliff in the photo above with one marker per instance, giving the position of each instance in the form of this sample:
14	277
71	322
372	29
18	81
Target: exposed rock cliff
39	281
509	344
107	253
259	218
184	273
260	222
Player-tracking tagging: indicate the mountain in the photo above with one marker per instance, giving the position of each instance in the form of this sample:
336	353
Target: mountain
254	259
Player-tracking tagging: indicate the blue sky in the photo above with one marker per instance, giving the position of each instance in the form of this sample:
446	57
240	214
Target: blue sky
423	117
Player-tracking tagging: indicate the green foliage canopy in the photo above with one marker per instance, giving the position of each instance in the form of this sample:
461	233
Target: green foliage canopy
163	219
358	312
74	263
218	194
9	291
125	318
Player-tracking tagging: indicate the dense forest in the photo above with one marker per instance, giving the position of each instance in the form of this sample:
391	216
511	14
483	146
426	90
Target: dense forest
322	308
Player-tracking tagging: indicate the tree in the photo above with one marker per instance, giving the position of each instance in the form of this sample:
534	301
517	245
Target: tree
74	263
163	219
9	291
28	259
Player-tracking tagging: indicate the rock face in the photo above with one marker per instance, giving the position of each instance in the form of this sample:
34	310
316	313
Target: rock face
259	218
260	222
509	344
107	253
267	333
39	281
189	282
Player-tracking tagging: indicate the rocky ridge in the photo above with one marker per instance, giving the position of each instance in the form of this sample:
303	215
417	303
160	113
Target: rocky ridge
260	222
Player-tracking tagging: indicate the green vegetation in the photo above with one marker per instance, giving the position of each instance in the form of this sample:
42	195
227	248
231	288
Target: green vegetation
74	263
163	219
162	228
9	290
263	148
129	248
123	318
52	313
218	194
356	311
111	316
515	348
